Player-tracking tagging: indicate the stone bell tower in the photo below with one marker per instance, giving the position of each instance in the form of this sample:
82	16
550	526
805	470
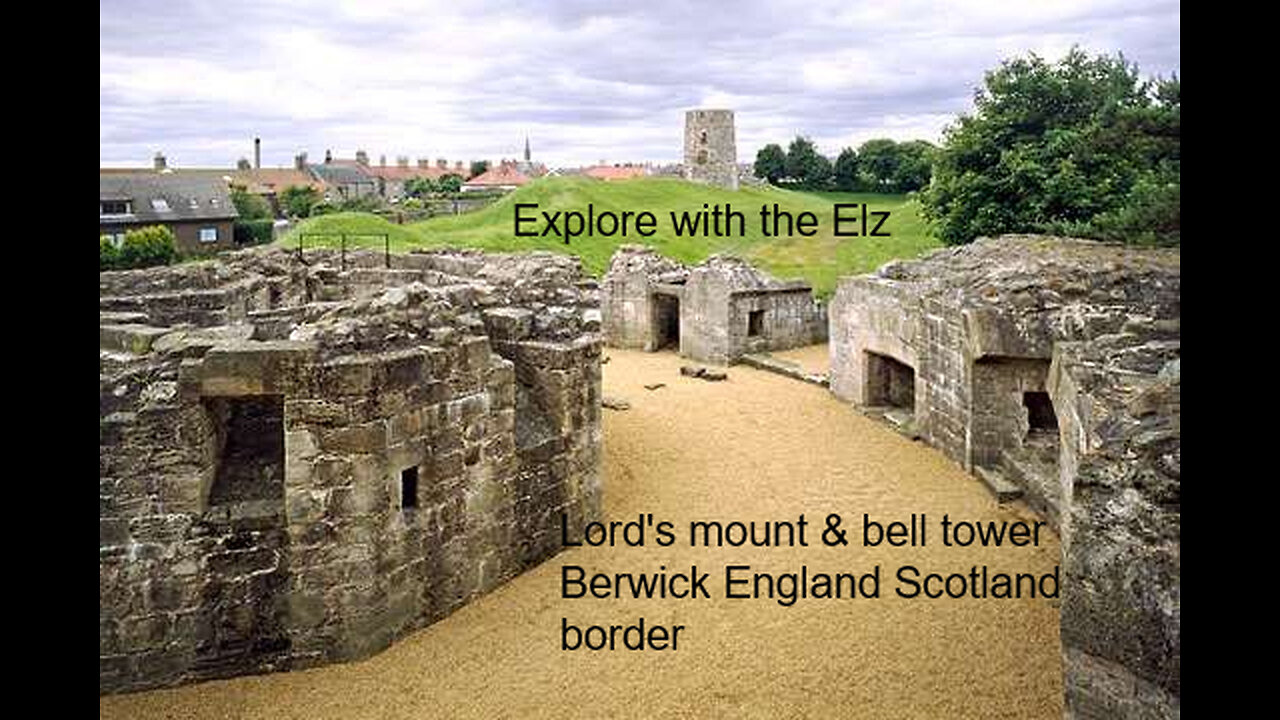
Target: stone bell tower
710	149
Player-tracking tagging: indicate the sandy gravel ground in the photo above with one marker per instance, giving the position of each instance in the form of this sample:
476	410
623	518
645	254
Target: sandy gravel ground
760	447
813	358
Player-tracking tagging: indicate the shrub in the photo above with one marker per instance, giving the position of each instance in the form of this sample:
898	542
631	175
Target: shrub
297	200
108	254
364	203
253	232
249	206
449	183
322	208
144	247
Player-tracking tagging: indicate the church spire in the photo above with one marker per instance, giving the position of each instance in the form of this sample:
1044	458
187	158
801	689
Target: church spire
526	148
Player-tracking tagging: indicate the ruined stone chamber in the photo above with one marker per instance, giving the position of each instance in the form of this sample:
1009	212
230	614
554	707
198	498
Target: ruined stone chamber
303	459
715	312
1051	364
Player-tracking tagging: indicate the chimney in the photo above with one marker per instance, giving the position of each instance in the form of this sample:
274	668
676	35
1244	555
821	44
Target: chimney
382	160
402	161
328	156
242	164
458	166
362	158
300	161
442	163
424	163
160	162
257	153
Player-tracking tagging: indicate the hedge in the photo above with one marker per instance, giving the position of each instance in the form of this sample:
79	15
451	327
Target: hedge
253	232
144	247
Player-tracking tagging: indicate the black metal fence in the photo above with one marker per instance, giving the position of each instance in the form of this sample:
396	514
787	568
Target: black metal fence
343	242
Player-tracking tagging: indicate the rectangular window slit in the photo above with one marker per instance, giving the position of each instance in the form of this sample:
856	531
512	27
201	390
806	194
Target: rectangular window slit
409	488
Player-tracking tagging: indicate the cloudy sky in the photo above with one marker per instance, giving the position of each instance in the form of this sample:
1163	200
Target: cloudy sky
586	81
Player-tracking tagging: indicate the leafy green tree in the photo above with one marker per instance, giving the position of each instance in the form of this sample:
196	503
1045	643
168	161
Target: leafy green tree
250	206
297	200
771	163
878	161
805	166
479	167
1081	146
449	183
419	186
845	173
914	167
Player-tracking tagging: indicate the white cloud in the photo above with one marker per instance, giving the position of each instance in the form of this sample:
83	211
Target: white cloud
584	79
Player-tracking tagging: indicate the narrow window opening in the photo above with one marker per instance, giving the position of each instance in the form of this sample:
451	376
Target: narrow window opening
1040	415
409	488
755	323
890	382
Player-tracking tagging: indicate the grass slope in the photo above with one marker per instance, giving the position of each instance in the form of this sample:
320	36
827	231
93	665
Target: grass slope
820	259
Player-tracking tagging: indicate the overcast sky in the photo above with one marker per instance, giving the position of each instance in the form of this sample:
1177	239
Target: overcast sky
586	81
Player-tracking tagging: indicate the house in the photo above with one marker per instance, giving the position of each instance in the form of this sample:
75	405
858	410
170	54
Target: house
503	177
346	179
197	208
391	179
268	183
610	173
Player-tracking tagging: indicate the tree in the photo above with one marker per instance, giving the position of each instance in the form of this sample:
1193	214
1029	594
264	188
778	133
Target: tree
845	174
878	161
479	167
1083	146
805	166
771	163
419	186
449	183
250	206
297	200
914	167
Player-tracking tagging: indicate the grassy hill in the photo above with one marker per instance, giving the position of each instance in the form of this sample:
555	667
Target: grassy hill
820	259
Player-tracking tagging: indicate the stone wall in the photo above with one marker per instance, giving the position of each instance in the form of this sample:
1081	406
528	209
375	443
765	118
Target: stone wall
317	479
626	296
716	300
1118	403
1055	362
710	148
968	319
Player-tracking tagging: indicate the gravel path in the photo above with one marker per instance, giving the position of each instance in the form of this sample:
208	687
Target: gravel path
813	358
755	447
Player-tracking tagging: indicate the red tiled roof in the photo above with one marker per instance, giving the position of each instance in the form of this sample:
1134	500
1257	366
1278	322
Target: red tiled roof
615	172
262	181
396	172
500	175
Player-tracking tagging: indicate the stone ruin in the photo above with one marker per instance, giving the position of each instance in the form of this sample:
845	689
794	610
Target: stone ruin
713	312
1050	367
302	461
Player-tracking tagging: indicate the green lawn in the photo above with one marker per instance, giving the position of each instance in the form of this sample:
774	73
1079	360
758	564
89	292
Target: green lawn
820	259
